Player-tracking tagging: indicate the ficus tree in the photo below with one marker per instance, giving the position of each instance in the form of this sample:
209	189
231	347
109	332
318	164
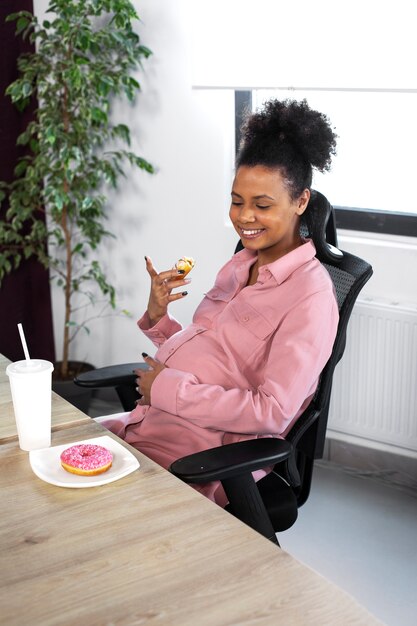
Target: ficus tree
86	55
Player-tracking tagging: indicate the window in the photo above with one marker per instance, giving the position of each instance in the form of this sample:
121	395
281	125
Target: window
355	63
371	180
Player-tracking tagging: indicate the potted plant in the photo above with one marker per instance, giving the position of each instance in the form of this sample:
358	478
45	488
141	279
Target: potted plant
85	56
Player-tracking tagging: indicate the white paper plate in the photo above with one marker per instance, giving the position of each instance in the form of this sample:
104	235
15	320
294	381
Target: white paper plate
46	464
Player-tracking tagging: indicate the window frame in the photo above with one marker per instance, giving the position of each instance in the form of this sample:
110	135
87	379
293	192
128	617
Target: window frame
347	218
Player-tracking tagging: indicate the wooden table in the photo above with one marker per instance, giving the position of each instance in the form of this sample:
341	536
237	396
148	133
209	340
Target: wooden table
146	549
64	414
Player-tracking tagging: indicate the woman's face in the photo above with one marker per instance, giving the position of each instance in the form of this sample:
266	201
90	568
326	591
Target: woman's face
263	213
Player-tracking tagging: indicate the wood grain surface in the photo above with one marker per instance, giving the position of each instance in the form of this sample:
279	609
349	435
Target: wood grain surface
146	549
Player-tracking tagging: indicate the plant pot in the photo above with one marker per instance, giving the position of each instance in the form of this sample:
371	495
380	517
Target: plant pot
80	397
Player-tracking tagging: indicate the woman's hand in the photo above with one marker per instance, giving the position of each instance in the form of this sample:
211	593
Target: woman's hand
145	378
162	285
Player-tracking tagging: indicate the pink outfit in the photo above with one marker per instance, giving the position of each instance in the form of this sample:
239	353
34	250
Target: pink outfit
246	367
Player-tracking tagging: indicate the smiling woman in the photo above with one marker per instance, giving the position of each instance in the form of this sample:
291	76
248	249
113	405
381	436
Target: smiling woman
249	363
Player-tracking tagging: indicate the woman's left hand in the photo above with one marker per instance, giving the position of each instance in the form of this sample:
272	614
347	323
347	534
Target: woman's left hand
145	378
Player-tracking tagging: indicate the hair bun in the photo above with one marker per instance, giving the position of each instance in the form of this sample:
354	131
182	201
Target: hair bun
292	122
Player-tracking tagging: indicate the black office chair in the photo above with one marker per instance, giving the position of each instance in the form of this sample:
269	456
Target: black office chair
271	504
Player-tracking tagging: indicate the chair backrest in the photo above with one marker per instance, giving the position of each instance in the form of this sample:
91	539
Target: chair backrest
349	274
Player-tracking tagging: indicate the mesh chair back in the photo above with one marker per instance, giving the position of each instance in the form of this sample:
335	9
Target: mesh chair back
349	274
291	480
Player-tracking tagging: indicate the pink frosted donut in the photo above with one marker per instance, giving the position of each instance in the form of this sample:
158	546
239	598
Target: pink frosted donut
86	459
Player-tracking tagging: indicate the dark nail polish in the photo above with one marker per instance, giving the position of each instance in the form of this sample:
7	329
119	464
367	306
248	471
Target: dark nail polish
184	293
181	271
144	355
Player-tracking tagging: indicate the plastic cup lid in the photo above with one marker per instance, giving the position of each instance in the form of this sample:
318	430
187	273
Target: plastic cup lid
33	366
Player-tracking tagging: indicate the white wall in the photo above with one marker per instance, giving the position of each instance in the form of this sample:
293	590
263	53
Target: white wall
276	43
180	210
394	260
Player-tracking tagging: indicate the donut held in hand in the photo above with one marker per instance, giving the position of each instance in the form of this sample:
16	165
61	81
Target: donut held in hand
186	264
86	459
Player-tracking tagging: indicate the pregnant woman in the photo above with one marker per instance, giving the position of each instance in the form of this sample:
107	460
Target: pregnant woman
248	364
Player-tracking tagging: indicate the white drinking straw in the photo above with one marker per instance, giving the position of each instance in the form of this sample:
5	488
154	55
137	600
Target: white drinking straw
23	340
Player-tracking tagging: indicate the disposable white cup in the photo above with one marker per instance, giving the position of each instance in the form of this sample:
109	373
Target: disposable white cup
31	387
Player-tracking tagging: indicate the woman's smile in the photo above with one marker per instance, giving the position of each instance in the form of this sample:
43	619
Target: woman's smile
251	233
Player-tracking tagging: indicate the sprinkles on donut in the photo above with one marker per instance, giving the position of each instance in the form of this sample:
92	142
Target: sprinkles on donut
86	459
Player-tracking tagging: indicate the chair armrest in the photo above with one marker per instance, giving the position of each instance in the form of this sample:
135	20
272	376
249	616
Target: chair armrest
231	460
111	376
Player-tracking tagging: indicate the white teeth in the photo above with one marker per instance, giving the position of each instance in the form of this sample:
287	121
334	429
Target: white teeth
251	232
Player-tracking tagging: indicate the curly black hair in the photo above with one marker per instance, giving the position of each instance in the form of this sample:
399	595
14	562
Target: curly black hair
290	136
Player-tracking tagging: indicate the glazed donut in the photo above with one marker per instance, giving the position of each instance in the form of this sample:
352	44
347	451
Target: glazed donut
86	459
185	263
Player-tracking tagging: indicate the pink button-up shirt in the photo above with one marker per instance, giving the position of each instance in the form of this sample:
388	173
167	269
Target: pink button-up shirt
246	367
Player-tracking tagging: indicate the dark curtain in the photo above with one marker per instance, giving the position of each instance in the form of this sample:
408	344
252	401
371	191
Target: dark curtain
24	294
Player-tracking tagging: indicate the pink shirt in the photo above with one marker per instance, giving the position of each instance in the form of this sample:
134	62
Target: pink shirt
246	367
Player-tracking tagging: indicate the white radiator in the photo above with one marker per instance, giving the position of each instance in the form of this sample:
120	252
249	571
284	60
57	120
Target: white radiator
374	395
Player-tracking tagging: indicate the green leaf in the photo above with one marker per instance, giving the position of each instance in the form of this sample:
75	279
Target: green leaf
142	164
94	47
21	24
11	17
59	199
50	136
87	202
134	83
21	106
79	60
23	139
122	131
14	16
21	167
145	51
98	115
26	89
78	248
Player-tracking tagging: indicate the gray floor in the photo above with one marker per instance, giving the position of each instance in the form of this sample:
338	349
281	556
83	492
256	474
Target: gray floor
355	530
362	535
